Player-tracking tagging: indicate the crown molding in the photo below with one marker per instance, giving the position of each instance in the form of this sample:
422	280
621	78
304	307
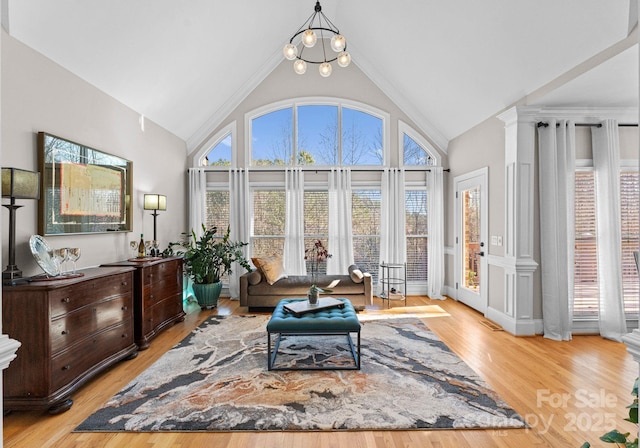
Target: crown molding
582	114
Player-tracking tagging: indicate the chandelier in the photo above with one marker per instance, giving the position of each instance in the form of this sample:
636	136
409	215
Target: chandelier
316	24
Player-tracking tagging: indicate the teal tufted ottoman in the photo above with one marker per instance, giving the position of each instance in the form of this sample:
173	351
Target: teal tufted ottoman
334	321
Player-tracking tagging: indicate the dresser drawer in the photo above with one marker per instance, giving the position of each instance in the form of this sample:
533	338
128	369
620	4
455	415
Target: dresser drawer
161	312
67	299
72	363
70	328
157	273
160	291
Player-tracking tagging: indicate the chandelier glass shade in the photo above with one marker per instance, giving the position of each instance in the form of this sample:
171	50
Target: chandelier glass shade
317	27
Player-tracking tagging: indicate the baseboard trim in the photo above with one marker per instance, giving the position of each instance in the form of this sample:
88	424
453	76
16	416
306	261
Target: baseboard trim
522	327
450	291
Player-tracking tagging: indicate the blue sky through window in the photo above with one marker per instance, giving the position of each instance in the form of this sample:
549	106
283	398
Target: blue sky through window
318	137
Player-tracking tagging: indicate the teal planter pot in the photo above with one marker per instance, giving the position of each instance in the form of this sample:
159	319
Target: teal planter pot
207	294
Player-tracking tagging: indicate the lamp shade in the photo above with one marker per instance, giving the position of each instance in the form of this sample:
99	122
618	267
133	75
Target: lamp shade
20	184
155	202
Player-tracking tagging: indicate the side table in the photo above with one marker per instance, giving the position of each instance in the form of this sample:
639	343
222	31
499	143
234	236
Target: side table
394	282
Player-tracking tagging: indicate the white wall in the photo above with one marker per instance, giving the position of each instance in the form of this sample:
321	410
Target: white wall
39	95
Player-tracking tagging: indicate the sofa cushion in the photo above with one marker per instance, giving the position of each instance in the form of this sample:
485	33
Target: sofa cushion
299	285
254	277
272	268
356	274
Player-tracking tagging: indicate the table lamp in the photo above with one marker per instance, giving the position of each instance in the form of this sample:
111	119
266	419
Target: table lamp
155	202
17	184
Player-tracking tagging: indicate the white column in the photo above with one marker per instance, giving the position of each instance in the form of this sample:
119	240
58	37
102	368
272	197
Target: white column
519	221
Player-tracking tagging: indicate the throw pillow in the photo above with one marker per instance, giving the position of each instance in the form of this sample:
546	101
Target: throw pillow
356	274
272	268
255	277
256	263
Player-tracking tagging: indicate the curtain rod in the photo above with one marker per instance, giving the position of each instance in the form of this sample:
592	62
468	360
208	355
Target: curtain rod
307	168
597	125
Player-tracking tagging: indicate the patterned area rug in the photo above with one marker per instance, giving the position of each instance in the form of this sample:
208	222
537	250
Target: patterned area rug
216	379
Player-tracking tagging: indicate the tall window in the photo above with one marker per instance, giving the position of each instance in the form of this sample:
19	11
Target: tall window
267	236
365	212
629	219
217	214
317	134
585	259
416	232
316	224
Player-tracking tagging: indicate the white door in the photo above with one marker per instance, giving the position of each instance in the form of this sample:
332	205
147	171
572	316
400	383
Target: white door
471	238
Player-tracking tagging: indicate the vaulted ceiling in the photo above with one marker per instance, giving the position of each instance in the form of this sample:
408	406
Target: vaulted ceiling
449	64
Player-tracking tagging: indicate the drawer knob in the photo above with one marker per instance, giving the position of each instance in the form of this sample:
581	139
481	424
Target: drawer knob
125	308
67	367
65	331
66	300
124	283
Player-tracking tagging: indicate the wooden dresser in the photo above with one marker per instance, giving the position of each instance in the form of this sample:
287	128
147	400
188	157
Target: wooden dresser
157	296
70	330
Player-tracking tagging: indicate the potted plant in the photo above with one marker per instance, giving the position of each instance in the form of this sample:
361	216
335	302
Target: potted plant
316	254
207	259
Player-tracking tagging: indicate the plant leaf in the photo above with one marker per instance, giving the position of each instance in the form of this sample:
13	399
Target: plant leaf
633	413
614	436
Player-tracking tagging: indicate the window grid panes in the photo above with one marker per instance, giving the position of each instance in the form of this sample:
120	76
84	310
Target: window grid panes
365	212
268	223
416	226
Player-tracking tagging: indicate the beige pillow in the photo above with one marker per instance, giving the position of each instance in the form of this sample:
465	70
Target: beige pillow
272	268
255	277
356	274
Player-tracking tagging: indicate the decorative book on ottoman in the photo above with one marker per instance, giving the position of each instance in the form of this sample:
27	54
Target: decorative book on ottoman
303	306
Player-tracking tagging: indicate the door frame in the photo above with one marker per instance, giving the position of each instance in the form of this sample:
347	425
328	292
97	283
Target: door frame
479	303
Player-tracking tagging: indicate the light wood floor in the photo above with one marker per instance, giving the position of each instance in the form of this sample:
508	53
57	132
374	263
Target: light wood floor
568	392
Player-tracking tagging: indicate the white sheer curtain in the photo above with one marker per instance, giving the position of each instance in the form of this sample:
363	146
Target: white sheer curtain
294	222
393	245
340	232
557	187
238	221
197	199
606	165
435	242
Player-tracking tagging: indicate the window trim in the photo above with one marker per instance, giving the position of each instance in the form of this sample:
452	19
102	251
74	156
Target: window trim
317	101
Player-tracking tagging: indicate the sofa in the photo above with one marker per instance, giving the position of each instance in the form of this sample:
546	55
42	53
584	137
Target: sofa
257	291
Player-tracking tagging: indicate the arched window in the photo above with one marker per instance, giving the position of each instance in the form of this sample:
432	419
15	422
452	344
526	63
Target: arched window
218	151
416	151
322	132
